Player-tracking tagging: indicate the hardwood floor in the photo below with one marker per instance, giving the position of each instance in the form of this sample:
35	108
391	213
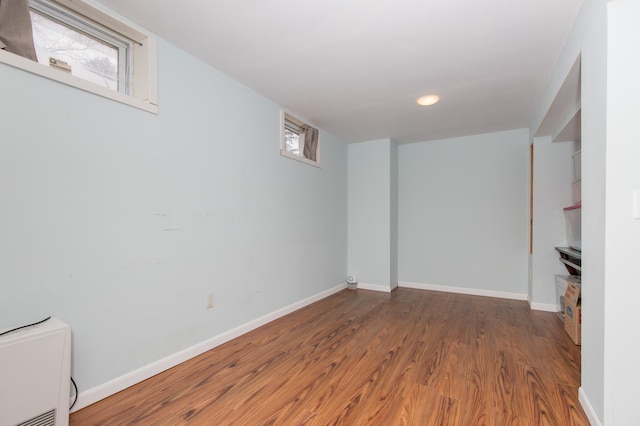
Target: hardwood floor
411	357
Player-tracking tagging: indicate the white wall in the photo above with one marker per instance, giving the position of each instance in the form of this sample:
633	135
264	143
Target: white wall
394	215
592	27
370	239
588	40
622	243
119	221
463	212
553	176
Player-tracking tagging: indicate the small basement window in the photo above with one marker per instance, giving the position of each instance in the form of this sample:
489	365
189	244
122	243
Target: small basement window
65	42
299	141
85	47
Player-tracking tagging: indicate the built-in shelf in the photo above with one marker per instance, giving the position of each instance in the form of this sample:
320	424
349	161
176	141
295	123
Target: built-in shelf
569	129
563	109
572	260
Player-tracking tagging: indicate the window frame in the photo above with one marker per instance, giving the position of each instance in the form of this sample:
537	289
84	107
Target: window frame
284	118
122	44
142	59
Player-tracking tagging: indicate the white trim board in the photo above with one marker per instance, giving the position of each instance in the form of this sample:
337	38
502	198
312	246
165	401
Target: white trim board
463	290
588	408
113	386
374	287
546	307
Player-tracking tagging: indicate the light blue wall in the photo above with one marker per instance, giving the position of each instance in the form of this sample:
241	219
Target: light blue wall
553	176
463	212
394	190
119	221
370	208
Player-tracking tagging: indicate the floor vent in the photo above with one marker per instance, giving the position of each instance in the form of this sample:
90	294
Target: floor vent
45	419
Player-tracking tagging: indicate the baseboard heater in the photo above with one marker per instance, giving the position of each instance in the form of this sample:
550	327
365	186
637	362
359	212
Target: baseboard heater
35	371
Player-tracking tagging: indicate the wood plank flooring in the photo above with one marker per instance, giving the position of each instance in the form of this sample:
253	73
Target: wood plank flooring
411	357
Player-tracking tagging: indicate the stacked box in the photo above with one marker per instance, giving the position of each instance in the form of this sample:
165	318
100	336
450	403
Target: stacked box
573	312
577	164
577	191
562	282
573	216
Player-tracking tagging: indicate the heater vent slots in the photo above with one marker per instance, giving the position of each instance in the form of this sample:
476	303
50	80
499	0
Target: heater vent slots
45	419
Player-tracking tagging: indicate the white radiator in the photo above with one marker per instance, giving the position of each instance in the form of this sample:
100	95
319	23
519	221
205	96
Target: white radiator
35	367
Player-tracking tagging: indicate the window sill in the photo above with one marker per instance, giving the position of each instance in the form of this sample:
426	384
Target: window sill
299	158
70	80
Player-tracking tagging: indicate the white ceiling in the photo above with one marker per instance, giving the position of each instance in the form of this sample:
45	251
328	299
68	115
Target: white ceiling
355	67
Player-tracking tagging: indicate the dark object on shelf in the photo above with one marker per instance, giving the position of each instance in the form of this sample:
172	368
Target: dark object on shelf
572	260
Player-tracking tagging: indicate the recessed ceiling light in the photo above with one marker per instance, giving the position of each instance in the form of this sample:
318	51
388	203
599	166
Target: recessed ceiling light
428	100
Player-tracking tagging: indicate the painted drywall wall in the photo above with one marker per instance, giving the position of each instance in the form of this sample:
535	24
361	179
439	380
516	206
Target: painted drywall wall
370	205
119	221
588	41
553	175
394	214
594	113
622	243
463	212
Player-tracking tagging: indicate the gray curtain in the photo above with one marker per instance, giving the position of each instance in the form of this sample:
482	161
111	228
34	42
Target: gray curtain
310	142
16	35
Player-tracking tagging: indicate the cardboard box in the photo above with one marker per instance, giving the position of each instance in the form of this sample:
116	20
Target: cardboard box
573	312
562	282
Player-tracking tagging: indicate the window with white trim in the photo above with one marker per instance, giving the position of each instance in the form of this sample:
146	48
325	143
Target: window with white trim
299	140
89	51
87	48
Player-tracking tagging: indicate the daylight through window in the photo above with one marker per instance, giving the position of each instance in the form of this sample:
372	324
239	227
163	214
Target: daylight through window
81	45
68	43
299	140
293	137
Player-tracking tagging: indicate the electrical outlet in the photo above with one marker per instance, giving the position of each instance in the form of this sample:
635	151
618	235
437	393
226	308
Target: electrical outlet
209	300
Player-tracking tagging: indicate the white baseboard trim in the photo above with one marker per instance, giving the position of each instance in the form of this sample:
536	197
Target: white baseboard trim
588	408
546	307
374	287
463	290
113	386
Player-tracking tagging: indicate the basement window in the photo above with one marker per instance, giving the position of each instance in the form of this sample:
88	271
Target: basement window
299	140
84	47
